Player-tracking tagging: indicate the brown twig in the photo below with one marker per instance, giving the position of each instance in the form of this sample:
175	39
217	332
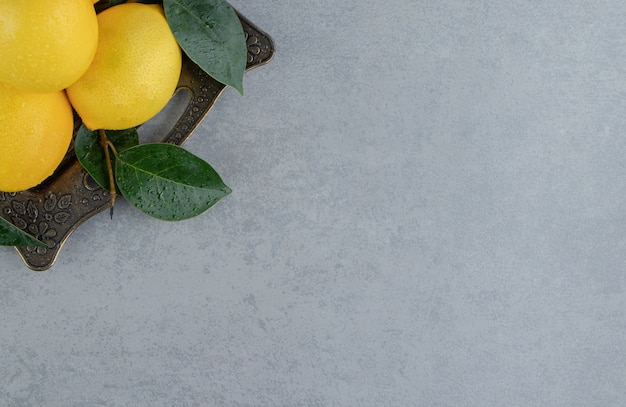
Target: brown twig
106	145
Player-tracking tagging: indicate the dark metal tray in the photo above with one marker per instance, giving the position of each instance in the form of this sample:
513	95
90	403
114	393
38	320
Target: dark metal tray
54	209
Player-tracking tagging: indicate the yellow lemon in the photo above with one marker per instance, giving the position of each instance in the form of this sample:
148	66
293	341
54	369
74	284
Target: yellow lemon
135	71
35	133
46	45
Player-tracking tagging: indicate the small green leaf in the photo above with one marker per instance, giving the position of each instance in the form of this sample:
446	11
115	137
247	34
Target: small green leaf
11	235
167	182
211	35
90	153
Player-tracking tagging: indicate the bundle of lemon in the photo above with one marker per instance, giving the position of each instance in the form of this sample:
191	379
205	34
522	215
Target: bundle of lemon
115	69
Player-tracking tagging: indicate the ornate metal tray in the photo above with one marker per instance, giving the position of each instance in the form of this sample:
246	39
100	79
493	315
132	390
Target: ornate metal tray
54	209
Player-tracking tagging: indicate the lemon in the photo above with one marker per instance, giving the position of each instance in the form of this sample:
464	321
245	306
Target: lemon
135	70
46	45
35	133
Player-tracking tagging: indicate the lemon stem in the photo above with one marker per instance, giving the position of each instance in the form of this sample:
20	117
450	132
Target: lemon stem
106	145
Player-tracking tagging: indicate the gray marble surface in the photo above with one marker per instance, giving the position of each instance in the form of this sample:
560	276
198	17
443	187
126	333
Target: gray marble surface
428	209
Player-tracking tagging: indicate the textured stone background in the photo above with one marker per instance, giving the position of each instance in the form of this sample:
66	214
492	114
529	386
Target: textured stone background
428	210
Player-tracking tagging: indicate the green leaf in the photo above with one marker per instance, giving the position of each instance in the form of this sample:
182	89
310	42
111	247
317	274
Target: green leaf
210	33
167	182
11	235
90	153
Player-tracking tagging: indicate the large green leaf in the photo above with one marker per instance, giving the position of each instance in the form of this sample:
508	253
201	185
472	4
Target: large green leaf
167	182
11	235
210	33
90	153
